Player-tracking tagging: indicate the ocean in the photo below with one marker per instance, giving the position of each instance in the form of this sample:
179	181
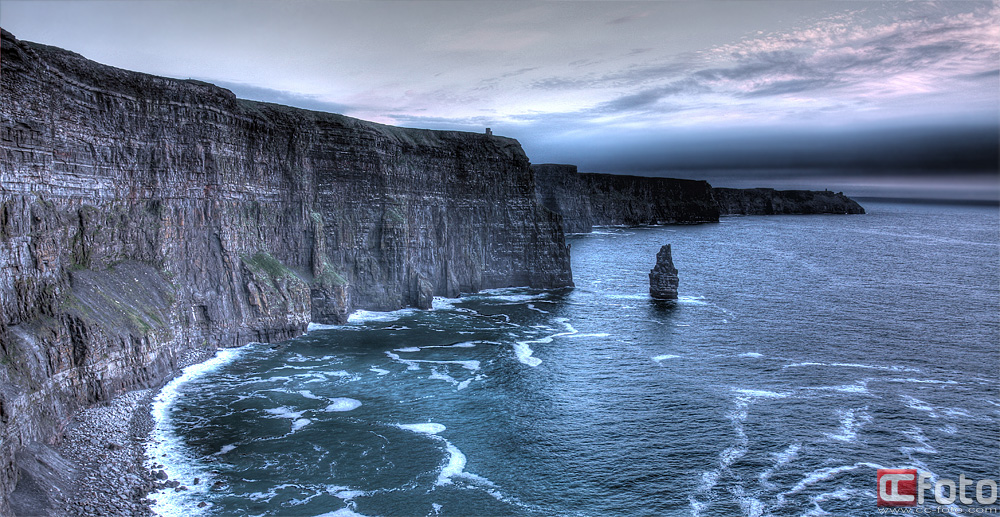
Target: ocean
804	353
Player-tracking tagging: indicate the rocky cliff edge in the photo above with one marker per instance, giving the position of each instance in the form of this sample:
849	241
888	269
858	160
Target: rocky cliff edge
142	216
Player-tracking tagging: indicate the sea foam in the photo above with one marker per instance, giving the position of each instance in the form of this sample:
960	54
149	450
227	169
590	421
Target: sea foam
343	404
165	443
524	352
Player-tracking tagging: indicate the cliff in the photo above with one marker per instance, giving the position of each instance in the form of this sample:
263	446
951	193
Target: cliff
767	201
585	200
142	216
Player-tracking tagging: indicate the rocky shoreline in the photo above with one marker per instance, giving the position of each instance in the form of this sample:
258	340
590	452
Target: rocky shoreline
106	444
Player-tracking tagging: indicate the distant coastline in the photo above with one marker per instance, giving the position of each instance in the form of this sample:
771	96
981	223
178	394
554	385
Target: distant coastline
930	201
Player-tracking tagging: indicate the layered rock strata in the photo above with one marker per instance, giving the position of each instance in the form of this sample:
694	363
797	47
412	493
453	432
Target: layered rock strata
142	216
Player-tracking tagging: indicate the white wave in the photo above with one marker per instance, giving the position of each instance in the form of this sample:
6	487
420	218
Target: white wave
765	394
728	455
343	512
861	388
850	422
796	365
894	368
309	395
471	364
344	493
532	307
697	507
320	326
627	296
919	405
956	412
820	475
664	357
455	464
164	443
440	303
379	371
599	334
751	506
524	352
454	467
923	446
708	480
284	412
509	294
361	317
427	428
780	459
754	355
343	404
464	344
436	375
840	494
270	494
412	364
851	388
225	449
922	381
451	380
826	474
300	423
692	300
408	349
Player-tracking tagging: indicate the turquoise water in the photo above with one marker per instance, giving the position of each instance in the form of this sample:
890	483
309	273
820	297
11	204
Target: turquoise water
805	353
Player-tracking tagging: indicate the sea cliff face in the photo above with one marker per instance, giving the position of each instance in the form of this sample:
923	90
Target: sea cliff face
142	216
587	200
767	201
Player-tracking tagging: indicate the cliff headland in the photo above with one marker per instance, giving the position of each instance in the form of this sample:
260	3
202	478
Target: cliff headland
142	216
143	219
585	200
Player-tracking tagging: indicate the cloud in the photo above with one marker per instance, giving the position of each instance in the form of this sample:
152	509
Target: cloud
843	61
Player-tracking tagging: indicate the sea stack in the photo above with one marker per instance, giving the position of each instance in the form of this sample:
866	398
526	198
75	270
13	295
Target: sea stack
663	276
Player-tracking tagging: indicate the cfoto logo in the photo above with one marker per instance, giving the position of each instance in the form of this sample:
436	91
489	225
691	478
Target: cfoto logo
906	487
897	487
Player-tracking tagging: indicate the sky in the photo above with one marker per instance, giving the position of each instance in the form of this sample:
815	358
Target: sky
873	98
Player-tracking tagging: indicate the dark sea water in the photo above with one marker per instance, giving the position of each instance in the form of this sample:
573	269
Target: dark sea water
805	353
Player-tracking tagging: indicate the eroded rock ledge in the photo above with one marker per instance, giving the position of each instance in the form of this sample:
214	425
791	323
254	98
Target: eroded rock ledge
142	216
